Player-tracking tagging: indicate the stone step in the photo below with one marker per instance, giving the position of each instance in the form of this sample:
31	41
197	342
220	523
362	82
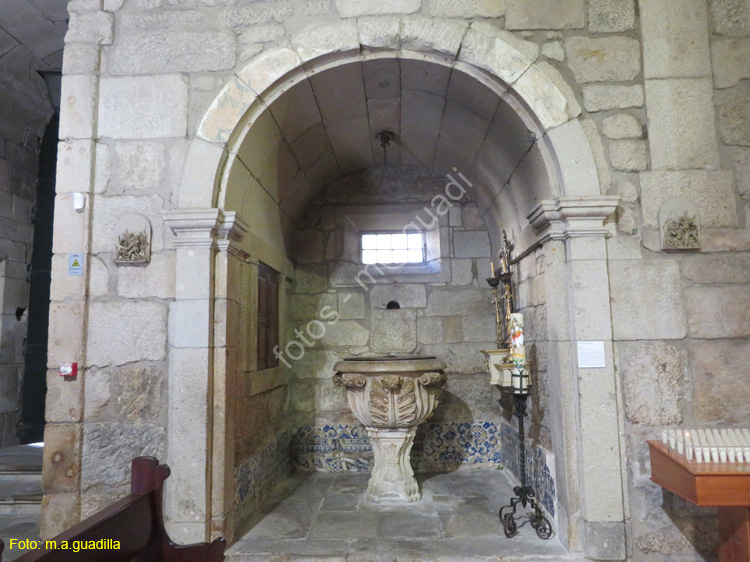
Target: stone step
21	458
27	510
20	477
21	481
20	490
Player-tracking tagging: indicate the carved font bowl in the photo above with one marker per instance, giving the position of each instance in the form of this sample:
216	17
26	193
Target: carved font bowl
391	391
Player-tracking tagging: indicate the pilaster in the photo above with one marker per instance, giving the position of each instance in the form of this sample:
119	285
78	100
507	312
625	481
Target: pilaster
200	234
589	410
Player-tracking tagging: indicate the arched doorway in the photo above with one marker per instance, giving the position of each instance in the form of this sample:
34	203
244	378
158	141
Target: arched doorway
538	182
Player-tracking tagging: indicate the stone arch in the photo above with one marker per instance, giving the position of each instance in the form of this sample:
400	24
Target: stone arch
495	57
572	215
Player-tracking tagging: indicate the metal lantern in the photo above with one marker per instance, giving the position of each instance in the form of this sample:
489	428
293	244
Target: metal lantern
520	380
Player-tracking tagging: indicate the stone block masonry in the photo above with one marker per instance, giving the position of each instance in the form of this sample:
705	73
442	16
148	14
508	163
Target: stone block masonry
540	14
662	312
611	59
176	51
684	109
653	382
453	322
132	108
140	74
356	8
611	16
675	41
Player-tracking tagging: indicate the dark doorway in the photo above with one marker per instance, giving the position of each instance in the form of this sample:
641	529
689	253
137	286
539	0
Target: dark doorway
34	389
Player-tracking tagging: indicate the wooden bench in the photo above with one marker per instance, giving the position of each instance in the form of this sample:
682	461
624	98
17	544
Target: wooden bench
135	522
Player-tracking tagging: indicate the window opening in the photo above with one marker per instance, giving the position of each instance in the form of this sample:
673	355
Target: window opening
393	248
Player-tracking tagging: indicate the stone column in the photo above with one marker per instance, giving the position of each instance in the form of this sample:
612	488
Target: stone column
392	476
591	486
192	364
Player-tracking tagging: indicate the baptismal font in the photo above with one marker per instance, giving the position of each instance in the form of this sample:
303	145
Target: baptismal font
391	395
509	371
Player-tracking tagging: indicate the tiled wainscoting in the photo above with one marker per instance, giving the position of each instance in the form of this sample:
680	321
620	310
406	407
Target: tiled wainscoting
540	466
258	475
437	447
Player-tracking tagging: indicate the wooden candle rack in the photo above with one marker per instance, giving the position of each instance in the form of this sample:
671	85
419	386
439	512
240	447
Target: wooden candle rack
722	485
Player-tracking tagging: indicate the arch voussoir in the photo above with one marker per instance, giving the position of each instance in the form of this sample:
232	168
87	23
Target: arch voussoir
497	51
225	111
479	47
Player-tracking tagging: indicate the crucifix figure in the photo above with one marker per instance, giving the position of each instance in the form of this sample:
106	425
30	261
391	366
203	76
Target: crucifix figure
505	276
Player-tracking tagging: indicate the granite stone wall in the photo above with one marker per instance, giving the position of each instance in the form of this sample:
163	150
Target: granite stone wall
678	336
446	312
662	89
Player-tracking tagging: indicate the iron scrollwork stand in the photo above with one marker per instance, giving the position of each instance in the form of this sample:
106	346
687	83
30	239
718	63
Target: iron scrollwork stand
524	494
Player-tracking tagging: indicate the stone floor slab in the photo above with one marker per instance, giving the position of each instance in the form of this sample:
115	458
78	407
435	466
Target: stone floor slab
336	500
456	520
408	525
288	520
345	525
474	518
21	491
291	548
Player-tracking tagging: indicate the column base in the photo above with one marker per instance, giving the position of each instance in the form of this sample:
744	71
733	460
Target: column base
392	478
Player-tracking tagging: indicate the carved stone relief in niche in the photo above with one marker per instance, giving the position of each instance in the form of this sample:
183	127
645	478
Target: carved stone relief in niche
679	225
133	245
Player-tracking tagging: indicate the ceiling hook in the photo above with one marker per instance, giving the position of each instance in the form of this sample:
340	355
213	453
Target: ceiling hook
385	138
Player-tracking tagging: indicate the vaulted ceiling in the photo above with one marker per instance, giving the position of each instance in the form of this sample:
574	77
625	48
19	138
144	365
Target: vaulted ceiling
443	119
31	40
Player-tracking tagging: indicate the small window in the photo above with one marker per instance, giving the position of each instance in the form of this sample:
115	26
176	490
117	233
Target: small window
268	316
393	248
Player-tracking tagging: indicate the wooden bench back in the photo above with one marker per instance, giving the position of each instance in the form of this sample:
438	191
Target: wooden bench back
136	522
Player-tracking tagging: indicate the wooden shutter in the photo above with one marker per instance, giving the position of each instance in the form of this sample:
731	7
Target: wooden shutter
268	316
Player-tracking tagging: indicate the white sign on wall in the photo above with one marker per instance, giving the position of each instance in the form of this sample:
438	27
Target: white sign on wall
591	355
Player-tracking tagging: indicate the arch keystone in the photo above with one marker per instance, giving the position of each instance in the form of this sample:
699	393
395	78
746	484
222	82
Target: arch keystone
428	34
380	32
318	39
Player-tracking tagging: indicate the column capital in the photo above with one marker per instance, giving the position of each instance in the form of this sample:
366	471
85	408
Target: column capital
206	228
571	217
231	233
197	228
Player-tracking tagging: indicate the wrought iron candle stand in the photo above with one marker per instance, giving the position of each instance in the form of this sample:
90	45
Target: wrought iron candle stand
524	494
517	387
